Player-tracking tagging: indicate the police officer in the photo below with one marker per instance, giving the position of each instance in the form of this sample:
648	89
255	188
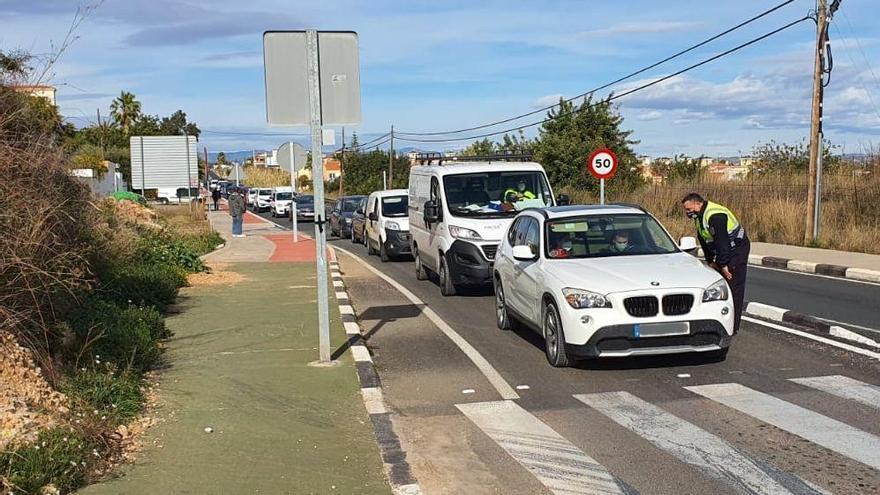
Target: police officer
520	193
725	245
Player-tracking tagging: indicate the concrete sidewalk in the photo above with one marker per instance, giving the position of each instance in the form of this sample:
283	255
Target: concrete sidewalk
243	410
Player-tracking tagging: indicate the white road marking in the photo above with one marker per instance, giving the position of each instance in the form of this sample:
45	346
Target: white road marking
337	283
822	430
373	400
468	391
341	295
845	387
522	387
554	461
491	374
301	287
817	338
683	375
692	444
360	353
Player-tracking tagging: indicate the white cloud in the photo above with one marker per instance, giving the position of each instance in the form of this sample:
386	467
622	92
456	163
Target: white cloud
649	116
546	101
642	27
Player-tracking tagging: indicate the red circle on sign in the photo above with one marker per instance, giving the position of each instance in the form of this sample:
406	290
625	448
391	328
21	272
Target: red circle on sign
602	164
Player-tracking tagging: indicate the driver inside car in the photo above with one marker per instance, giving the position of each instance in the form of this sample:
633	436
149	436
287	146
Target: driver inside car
620	243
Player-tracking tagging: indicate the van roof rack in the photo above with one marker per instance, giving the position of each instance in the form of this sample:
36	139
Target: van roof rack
428	158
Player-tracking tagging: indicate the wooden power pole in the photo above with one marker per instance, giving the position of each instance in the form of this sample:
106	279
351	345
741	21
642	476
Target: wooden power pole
811	230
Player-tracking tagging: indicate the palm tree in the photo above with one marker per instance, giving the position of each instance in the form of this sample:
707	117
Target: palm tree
125	110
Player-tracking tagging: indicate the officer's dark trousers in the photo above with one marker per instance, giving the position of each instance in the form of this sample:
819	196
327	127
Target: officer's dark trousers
739	263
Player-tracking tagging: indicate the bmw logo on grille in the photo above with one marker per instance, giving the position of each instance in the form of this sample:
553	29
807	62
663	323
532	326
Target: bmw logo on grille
655	284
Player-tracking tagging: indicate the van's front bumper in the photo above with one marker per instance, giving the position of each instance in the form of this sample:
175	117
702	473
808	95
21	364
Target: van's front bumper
397	242
467	264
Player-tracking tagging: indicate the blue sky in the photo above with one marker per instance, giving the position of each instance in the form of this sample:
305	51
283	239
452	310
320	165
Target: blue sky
428	66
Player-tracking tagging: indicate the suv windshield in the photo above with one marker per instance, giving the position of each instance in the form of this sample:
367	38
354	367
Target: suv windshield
597	236
395	206
265	192
283	196
486	194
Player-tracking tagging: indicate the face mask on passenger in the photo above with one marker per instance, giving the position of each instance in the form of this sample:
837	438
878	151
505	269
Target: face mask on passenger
620	246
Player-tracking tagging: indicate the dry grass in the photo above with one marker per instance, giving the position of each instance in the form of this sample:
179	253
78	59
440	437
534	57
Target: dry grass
773	209
266	177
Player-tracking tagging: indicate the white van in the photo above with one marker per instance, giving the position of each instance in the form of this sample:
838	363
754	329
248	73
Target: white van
460	210
279	204
386	226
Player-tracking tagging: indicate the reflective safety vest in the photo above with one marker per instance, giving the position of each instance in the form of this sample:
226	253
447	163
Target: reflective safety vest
734	229
524	194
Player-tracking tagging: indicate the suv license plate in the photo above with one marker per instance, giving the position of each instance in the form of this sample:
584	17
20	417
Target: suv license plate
661	329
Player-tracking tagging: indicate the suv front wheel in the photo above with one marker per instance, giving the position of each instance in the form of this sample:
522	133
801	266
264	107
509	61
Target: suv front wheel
554	338
502	317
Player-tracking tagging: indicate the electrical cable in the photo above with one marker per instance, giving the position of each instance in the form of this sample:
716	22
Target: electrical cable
614	97
607	85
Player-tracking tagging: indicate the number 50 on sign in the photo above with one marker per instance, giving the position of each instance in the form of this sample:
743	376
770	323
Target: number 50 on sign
602	164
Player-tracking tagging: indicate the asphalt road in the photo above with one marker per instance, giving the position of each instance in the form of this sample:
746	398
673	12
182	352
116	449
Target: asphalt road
622	426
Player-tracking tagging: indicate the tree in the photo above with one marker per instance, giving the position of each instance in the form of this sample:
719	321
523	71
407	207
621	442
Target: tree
221	158
679	169
478	148
177	125
516	143
573	132
126	110
776	158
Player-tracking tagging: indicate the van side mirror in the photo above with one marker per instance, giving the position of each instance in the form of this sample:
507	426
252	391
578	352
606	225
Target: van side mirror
687	244
373	217
563	200
432	212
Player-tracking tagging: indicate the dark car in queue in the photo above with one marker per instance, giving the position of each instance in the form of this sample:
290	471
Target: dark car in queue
359	223
340	217
305	208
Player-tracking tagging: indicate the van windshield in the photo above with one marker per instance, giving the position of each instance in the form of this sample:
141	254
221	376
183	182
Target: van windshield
496	194
283	196
395	206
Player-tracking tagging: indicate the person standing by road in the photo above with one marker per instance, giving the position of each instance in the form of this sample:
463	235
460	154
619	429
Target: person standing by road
725	245
236	209
215	195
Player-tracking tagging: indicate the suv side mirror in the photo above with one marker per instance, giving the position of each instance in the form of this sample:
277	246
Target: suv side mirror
563	200
523	253
432	212
687	244
373	217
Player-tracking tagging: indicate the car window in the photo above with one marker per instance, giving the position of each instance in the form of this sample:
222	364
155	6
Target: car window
511	232
522	230
533	236
595	236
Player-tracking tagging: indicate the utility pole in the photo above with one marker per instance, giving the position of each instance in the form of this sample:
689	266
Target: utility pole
391	160
342	165
811	231
207	173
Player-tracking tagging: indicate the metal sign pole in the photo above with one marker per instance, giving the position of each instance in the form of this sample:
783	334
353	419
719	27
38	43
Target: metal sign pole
318	173
293	187
601	191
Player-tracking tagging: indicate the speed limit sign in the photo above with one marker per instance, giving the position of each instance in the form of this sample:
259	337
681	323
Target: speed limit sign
602	164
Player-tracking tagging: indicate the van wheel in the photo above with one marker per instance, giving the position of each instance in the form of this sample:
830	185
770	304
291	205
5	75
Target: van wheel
554	338
354	239
163	201
502	318
447	288
369	245
383	254
421	274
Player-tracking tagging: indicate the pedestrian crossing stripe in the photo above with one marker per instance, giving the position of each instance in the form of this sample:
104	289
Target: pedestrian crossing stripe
554	461
822	430
695	446
845	388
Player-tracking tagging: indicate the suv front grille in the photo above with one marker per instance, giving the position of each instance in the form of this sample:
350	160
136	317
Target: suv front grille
642	306
490	250
677	304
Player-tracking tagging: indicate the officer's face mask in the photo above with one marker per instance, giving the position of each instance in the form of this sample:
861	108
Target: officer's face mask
522	187
692	214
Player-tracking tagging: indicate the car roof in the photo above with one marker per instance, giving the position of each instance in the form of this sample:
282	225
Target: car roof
585	210
390	192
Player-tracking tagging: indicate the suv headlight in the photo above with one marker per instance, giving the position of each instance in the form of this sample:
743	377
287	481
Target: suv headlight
392	225
463	233
581	299
716	292
347	219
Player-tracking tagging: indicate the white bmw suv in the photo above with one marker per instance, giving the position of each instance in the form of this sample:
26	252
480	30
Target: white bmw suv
608	281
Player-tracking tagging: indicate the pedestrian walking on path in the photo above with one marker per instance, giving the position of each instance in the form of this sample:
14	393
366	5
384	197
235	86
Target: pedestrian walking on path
215	195
725	245
237	208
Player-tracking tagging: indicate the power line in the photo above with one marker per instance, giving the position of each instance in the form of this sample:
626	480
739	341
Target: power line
607	85
617	96
867	62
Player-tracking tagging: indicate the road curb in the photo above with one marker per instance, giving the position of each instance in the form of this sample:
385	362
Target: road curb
397	468
783	315
803	266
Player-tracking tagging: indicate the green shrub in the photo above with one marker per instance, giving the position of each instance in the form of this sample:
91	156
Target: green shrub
123	335
170	250
201	242
116	396
59	457
144	284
